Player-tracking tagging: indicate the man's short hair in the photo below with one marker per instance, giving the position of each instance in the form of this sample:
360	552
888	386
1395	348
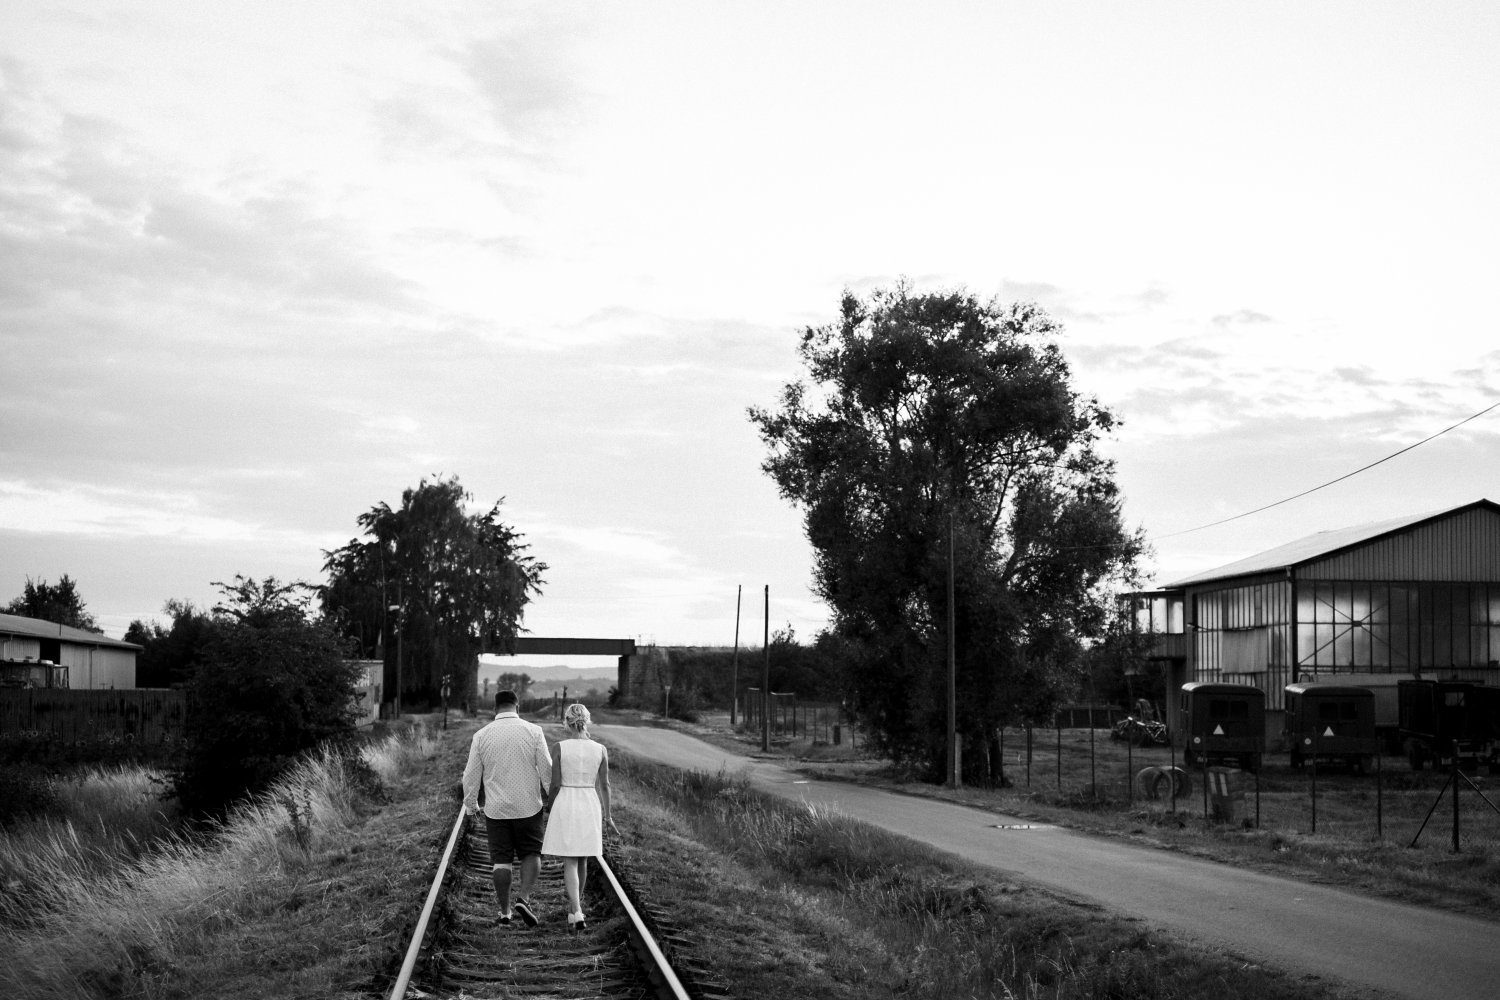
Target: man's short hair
504	698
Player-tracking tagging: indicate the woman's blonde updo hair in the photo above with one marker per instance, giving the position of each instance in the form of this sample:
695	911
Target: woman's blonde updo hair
576	717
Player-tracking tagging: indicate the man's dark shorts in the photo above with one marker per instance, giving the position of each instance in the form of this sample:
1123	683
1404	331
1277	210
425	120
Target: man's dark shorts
514	838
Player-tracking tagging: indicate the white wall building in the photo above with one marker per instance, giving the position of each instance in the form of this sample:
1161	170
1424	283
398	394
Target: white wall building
92	660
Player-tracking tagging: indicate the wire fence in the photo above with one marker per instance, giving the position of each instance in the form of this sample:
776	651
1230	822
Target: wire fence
1122	768
794	719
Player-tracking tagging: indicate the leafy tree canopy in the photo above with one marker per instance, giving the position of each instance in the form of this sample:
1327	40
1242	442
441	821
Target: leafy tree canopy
925	414
450	582
58	603
170	654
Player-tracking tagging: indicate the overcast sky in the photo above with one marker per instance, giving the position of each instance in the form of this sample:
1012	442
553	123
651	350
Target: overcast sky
265	265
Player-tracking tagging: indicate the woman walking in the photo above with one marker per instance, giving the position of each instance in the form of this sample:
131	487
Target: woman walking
580	807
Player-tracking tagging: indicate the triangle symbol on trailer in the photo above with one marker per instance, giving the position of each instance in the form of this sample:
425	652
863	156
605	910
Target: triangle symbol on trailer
1218	730
1328	731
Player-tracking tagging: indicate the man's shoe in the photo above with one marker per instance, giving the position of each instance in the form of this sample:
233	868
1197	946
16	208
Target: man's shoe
502	919
523	910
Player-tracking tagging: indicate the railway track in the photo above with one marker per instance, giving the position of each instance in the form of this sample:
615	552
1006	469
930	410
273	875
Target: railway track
459	950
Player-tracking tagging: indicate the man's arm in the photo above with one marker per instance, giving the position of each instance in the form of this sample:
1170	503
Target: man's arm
556	781
473	776
547	778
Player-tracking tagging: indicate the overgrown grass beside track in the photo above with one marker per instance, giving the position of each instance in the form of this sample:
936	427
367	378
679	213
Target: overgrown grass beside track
80	827
262	900
878	915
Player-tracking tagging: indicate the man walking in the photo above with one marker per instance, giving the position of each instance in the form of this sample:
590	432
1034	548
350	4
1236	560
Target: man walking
508	759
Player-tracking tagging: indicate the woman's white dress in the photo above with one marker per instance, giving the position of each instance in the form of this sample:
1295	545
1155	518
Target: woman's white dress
575	828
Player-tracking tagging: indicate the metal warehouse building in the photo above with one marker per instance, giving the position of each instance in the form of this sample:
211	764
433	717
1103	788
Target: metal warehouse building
32	650
1366	606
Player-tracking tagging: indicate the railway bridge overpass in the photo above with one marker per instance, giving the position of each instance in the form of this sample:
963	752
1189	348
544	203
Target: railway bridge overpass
641	670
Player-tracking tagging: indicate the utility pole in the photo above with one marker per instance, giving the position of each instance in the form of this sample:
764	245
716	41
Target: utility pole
400	637
765	681
952	672
734	683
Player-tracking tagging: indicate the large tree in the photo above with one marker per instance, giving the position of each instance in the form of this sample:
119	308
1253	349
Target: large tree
54	602
446	582
930	416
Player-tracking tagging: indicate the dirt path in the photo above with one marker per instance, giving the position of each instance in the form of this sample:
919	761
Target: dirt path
1300	927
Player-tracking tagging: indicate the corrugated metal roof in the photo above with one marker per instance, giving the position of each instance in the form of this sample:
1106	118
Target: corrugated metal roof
1322	544
36	628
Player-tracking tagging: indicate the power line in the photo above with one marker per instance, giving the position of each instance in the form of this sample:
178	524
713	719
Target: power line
1340	479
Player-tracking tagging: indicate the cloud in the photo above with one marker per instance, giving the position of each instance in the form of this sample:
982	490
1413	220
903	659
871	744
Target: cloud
1241	317
1152	297
526	77
1363	377
83	509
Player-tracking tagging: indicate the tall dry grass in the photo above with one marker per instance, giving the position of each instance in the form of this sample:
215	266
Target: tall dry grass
85	927
98	819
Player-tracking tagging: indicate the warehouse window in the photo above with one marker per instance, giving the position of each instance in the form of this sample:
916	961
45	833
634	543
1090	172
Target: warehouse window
1380	627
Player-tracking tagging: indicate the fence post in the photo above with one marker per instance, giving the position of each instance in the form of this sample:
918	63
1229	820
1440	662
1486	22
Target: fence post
1028	753
1057	721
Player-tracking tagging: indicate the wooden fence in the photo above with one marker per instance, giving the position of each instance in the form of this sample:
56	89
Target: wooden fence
144	715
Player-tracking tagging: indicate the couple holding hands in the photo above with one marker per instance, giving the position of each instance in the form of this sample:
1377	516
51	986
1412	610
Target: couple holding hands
522	781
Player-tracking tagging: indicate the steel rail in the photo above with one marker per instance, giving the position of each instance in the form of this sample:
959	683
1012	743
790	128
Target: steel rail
398	991
643	934
653	961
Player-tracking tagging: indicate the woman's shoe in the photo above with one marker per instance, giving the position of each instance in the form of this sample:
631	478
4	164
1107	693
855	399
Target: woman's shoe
576	922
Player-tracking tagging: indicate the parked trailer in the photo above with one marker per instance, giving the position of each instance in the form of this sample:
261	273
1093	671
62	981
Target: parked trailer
1331	722
1441	720
1223	723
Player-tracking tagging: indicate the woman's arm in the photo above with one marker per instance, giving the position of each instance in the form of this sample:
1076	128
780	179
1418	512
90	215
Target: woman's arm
601	785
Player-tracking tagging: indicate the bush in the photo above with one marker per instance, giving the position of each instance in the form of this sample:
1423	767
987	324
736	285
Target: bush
273	684
25	792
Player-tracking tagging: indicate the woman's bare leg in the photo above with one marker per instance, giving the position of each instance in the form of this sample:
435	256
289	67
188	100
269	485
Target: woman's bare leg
573	883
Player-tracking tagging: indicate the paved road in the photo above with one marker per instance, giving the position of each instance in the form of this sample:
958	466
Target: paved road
1375	945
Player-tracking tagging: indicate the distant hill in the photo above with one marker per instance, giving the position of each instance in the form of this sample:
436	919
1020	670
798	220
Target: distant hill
547	682
559	674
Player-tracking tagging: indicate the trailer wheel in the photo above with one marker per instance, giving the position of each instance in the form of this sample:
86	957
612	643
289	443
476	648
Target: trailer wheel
1159	782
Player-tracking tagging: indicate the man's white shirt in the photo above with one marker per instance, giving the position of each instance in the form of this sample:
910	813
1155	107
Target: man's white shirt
509	757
